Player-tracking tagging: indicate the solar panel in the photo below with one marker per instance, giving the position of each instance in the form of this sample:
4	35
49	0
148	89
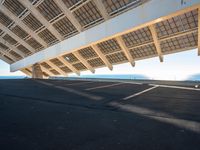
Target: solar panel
65	69
14	6
137	37
57	62
4	19
143	51
34	44
65	27
177	43
9	39
19	32
23	49
116	57
88	14
109	46
96	62
49	9
88	52
32	22
47	36
70	58
79	66
13	53
44	64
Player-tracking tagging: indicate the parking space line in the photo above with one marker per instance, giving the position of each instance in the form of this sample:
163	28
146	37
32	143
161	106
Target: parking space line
79	83
114	81
175	87
131	82
80	93
160	116
139	93
104	86
90	96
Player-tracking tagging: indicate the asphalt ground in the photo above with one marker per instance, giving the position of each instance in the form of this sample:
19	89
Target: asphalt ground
97	115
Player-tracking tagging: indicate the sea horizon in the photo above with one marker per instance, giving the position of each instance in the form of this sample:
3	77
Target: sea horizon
195	77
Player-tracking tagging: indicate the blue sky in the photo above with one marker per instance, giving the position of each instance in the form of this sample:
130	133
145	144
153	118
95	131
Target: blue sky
176	66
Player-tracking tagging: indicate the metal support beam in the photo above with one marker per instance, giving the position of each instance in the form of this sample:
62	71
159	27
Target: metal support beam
5	59
46	71
125	50
56	68
69	65
199	31
41	18
11	47
69	14
102	56
78	5
83	61
156	42
22	25
108	30
102	9
19	40
8	54
26	72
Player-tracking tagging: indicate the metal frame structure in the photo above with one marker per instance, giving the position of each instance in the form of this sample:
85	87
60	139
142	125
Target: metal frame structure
69	36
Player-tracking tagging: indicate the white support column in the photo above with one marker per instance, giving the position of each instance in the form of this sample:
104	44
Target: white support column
102	56
69	14
156	42
199	31
69	65
19	40
22	25
102	9
11	47
41	18
56	68
83	61
46	71
125	50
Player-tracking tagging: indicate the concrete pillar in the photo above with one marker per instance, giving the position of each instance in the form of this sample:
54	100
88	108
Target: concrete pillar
37	71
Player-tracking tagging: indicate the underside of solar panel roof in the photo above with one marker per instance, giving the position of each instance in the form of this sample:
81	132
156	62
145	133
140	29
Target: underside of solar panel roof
60	37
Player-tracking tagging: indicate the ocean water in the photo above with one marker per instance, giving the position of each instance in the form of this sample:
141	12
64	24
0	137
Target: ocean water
195	77
117	76
12	77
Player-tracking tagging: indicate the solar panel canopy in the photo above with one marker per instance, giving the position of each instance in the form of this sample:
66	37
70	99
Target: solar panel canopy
29	27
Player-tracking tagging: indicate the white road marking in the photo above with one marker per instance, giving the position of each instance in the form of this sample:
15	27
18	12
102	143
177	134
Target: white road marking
90	96
139	93
45	83
160	116
114	81
175	87
79	83
104	86
131	82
